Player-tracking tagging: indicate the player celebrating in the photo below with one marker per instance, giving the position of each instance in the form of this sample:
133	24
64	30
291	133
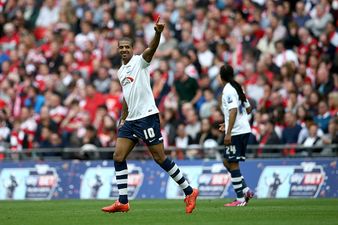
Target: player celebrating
140	119
237	129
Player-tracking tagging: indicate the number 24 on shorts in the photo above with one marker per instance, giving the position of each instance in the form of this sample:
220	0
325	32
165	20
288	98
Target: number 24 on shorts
231	150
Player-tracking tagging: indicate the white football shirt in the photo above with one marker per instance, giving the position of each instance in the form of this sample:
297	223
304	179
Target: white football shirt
230	100
135	81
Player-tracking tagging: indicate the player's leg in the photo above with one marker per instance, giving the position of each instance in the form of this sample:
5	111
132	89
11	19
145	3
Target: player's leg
149	130
248	194
125	143
236	180
123	148
170	167
176	174
232	155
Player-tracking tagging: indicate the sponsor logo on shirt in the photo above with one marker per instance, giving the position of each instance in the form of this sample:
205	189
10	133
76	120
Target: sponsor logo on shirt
127	80
229	100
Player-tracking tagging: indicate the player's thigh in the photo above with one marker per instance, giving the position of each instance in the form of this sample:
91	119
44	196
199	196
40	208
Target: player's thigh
235	152
157	151
123	148
243	142
149	130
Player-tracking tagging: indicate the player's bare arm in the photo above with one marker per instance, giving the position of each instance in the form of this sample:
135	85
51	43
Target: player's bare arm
221	127
150	51
124	113
232	119
249	110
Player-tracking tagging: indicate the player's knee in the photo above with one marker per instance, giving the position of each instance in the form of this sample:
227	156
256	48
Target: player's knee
233	166
118	157
159	159
226	164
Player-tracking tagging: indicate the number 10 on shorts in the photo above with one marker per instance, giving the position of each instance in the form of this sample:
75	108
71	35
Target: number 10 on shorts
149	133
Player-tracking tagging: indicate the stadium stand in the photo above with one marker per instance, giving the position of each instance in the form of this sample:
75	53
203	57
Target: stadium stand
59	61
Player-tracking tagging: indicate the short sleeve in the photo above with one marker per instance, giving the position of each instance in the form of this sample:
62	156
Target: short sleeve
247	104
231	100
143	62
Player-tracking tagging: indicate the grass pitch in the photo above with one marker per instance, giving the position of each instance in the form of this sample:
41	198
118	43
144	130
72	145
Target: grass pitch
171	212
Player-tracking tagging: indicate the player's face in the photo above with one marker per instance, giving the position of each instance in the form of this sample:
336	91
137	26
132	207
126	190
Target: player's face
125	50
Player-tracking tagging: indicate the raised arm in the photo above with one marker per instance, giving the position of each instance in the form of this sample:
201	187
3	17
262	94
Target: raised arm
150	51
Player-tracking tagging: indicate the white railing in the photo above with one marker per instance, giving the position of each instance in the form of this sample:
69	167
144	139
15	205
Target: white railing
192	152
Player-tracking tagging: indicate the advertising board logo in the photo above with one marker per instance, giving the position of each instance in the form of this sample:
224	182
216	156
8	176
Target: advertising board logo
39	182
214	181
100	182
135	180
304	180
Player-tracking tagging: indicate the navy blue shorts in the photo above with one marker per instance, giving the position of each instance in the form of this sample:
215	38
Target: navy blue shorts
236	151
147	128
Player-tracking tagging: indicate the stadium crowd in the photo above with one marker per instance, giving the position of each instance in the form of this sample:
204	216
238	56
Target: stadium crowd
59	62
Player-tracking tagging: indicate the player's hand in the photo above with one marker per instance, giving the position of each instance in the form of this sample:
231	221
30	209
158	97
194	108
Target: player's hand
227	139
121	123
221	127
159	26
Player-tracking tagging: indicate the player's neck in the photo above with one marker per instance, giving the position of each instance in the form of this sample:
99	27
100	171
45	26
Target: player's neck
126	61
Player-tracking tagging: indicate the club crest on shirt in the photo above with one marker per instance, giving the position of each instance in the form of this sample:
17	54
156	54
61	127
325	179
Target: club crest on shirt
127	80
229	100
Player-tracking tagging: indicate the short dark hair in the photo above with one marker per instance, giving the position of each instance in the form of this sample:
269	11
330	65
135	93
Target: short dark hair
131	41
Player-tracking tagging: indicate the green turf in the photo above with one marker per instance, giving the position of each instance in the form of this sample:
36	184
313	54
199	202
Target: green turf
171	212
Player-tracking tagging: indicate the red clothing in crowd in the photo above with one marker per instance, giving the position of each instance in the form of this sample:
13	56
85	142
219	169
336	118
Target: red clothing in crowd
92	103
114	105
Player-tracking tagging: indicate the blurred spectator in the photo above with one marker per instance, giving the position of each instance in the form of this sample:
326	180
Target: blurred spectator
160	87
168	43
331	137
323	118
318	23
304	133
34	99
71	123
185	86
102	81
300	16
193	125
89	144
205	132
205	56
324	82
278	29
266	43
268	136
291	130
57	111
170	123
85	35
333	103
182	140
5	132
11	38
48	15
93	100
313	139
284	55
114	100
44	121
28	126
208	104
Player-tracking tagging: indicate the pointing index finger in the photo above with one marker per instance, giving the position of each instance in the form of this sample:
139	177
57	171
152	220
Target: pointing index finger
158	19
